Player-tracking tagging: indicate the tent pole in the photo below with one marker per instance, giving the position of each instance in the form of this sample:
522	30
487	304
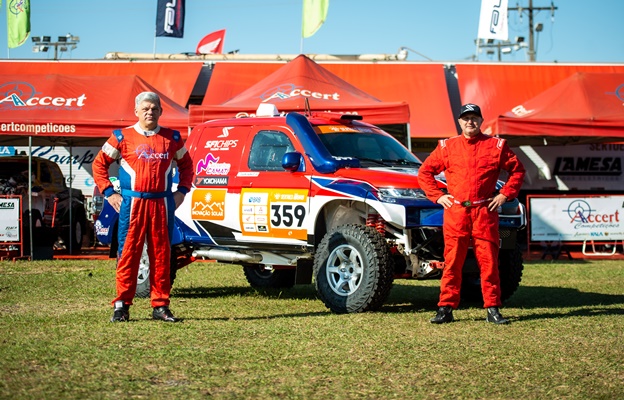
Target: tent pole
409	138
71	182
30	213
154	49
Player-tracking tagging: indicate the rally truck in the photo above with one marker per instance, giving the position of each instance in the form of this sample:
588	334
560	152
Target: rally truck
319	197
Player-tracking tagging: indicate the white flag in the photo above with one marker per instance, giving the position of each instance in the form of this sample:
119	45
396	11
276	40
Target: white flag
493	20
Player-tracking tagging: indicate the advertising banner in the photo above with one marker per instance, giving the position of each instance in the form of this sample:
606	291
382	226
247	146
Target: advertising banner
314	15
9	219
493	20
576	219
583	167
18	22
170	18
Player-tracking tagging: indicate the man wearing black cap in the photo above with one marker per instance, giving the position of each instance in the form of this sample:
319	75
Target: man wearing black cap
471	163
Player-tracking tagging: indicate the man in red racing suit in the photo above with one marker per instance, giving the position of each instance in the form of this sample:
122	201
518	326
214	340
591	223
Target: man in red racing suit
146	205
471	163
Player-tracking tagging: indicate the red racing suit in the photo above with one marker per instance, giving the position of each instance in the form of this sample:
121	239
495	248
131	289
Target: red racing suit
471	167
147	210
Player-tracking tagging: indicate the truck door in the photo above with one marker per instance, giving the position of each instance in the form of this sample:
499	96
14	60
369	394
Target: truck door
274	203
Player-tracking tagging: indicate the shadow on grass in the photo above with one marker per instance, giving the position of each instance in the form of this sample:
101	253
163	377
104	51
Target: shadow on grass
300	292
413	298
410	298
583	304
583	312
549	296
210	292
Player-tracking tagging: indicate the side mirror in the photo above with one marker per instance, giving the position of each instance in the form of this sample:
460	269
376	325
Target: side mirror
291	161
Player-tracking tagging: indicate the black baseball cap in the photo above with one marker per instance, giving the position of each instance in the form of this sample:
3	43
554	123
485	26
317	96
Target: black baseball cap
470	108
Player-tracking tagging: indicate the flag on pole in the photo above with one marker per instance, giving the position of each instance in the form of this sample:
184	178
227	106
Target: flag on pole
18	22
212	43
313	16
170	18
493	20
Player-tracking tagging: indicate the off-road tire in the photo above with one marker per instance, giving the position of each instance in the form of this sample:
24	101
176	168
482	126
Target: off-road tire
261	278
42	235
143	280
75	233
510	269
36	217
353	269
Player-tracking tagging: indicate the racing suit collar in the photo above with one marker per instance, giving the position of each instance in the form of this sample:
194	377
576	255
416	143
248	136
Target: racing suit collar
137	127
475	138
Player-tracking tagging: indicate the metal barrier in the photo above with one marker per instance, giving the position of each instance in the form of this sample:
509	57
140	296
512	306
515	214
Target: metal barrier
599	253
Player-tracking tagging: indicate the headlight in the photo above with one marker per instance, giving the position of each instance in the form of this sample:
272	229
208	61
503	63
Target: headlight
391	195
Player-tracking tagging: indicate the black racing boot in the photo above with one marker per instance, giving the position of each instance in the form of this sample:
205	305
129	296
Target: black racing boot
495	317
444	315
121	313
164	314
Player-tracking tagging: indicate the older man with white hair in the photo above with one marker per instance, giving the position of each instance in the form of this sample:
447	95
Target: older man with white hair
146	152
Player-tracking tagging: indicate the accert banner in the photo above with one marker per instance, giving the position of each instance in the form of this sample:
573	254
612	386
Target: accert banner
576	219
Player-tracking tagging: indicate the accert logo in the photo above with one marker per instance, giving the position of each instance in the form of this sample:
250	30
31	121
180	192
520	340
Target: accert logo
582	215
146	153
23	94
289	90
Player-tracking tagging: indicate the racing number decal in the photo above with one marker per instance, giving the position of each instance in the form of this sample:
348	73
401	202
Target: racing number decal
287	215
278	213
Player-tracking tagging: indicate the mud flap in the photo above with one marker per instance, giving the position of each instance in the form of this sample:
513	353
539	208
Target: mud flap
305	269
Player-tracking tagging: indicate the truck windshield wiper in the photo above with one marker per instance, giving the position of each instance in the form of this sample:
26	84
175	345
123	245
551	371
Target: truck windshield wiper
391	162
376	161
405	162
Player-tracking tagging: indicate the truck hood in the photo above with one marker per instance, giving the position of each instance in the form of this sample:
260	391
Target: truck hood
400	177
395	177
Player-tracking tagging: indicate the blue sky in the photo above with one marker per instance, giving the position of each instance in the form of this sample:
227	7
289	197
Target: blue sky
582	31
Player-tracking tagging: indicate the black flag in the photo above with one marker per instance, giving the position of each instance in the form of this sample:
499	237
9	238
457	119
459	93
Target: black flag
170	18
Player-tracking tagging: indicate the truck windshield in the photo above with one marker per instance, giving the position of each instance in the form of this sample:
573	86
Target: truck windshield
369	147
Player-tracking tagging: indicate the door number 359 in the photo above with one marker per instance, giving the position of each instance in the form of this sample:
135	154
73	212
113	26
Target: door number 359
287	214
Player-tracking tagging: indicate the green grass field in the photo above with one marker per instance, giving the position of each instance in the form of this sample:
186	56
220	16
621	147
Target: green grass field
566	340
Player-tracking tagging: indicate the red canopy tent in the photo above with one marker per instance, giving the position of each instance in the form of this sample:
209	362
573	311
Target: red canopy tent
421	85
77	110
302	78
497	87
176	79
585	106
